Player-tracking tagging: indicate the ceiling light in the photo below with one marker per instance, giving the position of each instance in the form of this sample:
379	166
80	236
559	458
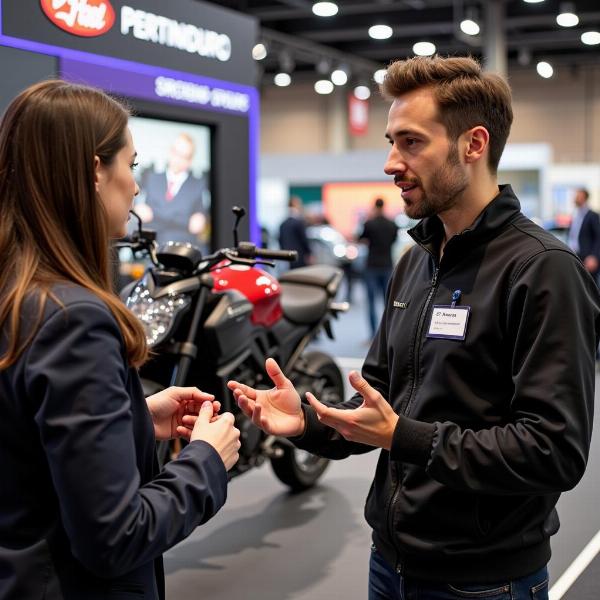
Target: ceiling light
591	38
567	16
362	92
339	77
380	32
424	48
469	27
533	1
282	79
544	69
379	75
323	86
259	52
325	9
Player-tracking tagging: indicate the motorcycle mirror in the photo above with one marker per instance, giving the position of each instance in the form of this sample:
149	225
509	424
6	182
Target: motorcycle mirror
239	212
139	222
140	233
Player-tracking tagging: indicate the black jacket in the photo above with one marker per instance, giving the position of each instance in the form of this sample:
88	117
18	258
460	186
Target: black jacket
381	233
84	511
491	428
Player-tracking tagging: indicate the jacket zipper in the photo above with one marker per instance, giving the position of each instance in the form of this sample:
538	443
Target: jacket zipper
394	498
417	354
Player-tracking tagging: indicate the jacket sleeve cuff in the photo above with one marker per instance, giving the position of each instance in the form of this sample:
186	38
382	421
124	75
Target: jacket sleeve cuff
412	441
313	430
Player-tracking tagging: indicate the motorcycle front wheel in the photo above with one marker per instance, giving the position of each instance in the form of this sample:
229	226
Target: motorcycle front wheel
299	469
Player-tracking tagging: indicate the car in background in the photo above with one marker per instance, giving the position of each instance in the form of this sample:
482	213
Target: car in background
330	247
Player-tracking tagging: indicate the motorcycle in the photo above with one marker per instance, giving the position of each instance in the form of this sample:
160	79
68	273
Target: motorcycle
209	319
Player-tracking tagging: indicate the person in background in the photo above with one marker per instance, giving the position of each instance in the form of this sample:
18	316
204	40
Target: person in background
85	512
478	388
292	234
584	233
379	233
174	200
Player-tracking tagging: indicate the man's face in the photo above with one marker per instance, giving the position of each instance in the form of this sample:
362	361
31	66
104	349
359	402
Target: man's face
580	198
181	155
425	164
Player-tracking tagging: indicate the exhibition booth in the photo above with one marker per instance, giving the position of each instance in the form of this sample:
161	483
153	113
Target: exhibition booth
186	70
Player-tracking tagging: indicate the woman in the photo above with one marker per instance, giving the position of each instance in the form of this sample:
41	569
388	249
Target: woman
84	512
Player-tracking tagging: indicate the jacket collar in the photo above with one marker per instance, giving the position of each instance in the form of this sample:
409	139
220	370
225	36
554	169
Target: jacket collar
429	232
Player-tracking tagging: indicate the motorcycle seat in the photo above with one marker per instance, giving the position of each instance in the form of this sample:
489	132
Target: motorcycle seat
322	276
303	304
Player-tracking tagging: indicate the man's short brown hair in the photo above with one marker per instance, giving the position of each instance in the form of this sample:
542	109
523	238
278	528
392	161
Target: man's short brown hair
466	96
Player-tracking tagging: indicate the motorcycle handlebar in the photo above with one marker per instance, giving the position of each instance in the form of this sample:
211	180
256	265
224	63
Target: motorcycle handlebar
249	250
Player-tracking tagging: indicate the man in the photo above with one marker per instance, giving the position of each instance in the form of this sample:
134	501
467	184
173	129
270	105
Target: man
584	233
477	388
292	234
174	203
380	233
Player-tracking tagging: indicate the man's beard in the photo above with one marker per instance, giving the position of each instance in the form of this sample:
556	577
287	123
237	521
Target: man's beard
447	183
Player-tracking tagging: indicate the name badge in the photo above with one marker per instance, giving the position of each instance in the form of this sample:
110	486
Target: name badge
449	322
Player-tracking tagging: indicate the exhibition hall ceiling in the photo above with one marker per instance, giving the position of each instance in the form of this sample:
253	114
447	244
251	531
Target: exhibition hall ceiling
300	42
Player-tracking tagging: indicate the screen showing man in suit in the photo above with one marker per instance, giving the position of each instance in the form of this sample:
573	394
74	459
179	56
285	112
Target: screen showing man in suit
174	180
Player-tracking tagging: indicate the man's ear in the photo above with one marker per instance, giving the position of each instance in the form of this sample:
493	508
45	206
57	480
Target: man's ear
477	140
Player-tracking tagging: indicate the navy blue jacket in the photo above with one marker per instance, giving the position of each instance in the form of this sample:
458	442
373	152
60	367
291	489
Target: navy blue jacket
84	511
589	236
292	236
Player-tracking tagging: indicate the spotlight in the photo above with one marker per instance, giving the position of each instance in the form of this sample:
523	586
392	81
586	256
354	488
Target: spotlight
323	86
362	92
325	9
259	51
469	27
339	77
424	48
545	69
379	75
380	32
567	16
282	79
590	38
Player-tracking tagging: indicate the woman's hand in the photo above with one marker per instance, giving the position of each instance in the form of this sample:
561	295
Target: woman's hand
174	411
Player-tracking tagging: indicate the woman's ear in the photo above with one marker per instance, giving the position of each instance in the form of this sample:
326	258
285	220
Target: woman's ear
98	173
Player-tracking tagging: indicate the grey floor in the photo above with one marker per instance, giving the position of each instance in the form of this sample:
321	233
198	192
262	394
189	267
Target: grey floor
271	545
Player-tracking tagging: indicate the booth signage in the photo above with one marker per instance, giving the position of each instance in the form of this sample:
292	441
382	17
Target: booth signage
185	35
87	18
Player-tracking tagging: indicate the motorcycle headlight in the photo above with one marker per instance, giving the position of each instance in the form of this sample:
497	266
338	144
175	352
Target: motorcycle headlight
157	316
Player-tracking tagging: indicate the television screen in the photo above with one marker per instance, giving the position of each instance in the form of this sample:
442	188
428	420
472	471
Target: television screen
173	174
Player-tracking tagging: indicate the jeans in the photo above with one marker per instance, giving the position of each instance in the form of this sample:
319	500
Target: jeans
376	280
386	584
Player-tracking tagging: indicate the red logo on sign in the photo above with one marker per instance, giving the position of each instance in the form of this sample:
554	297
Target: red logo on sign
86	18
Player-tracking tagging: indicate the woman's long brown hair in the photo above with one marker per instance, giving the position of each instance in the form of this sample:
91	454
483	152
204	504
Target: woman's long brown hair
53	226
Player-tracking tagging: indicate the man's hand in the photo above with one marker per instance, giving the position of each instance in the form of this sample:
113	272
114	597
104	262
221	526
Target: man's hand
174	411
276	411
197	223
372	423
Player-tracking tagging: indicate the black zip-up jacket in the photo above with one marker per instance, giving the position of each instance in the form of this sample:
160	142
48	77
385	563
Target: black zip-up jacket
492	428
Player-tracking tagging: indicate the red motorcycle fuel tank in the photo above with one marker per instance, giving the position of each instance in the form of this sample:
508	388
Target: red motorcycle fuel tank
260	287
